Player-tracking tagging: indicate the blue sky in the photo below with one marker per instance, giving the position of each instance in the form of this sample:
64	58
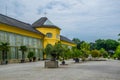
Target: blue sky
87	20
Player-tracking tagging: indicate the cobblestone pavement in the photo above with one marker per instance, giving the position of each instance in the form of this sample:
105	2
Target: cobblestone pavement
92	70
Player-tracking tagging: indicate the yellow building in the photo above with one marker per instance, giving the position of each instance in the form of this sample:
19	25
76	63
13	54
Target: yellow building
35	36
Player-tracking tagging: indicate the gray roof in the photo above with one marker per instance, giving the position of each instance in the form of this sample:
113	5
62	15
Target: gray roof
63	38
41	21
16	23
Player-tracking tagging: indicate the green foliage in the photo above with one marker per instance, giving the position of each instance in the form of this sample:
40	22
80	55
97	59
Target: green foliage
76	40
93	46
55	51
23	49
4	46
119	34
119	38
31	55
85	48
76	53
48	49
104	46
65	53
117	52
104	53
95	53
108	44
58	51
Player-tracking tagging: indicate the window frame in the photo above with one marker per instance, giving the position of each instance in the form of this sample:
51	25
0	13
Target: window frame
49	35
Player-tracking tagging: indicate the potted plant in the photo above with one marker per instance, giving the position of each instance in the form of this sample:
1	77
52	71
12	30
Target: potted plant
23	49
76	53
34	58
4	47
30	56
54	52
65	54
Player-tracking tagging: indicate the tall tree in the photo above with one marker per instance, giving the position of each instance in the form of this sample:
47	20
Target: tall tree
85	48
100	43
4	47
92	46
104	53
117	52
76	40
54	51
95	53
48	49
119	34
23	49
111	44
76	53
108	44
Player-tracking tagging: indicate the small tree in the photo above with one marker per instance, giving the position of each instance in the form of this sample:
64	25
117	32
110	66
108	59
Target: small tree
117	52
30	55
85	48
95	53
76	54
56	51
4	47
23	49
103	53
65	53
48	50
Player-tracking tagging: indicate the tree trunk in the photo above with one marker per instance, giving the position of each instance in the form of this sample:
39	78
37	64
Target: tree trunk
22	55
23	58
3	55
63	61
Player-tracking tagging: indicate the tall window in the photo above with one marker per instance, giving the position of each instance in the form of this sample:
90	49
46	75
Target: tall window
13	55
18	40
12	39
49	35
1	36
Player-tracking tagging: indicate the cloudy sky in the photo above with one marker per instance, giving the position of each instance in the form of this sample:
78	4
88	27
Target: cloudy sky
87	20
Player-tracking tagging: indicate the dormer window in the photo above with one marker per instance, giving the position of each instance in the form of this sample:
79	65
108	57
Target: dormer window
49	35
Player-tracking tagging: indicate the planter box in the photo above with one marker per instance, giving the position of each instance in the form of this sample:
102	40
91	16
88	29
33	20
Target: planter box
51	64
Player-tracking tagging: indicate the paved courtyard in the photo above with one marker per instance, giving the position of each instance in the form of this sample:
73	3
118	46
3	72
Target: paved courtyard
94	70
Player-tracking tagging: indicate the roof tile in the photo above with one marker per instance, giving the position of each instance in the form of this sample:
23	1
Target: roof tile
16	23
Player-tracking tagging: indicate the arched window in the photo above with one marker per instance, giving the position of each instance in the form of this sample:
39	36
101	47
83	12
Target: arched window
49	35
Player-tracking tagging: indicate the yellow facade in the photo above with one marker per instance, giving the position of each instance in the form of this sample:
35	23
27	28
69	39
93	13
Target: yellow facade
54	37
16	30
46	40
19	31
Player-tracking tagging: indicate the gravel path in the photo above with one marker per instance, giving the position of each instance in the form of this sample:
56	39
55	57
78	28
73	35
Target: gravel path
93	70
